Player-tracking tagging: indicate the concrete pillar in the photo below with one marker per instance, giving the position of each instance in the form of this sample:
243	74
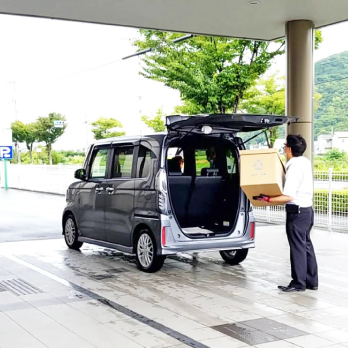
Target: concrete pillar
300	79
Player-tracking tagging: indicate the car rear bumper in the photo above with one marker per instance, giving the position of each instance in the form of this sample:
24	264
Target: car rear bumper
205	246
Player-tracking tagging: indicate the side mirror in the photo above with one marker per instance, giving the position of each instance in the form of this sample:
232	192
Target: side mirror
80	174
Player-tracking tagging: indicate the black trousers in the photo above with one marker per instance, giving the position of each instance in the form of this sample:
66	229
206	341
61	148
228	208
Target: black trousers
304	269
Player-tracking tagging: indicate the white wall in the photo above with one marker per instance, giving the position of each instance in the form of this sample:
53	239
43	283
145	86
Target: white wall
40	178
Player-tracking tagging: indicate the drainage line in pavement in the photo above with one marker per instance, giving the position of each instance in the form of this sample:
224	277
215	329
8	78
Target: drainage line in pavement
126	311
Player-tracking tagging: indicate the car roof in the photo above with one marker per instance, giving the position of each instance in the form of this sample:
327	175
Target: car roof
132	138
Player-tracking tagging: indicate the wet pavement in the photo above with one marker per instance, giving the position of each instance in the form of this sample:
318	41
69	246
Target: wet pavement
51	296
28	215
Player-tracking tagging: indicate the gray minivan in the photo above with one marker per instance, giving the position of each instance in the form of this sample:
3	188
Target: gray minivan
167	193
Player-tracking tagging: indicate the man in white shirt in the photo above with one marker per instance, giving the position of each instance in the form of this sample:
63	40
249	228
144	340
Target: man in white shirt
298	197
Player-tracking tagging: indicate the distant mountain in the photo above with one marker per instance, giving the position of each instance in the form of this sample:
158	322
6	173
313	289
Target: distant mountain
331	81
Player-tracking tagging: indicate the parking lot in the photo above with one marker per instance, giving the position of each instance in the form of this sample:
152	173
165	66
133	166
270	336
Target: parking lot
51	296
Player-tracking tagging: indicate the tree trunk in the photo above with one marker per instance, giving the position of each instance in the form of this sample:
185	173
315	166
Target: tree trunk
49	154
272	136
31	154
17	152
236	103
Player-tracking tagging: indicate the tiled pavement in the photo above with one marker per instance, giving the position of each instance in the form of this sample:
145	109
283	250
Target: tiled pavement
54	297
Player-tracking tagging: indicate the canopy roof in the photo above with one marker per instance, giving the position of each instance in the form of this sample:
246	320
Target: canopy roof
251	19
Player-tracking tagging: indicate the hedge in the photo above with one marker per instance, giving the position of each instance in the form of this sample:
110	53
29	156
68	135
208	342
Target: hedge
339	201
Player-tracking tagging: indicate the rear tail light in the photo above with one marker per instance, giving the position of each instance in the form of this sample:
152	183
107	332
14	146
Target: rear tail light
164	236
162	192
252	230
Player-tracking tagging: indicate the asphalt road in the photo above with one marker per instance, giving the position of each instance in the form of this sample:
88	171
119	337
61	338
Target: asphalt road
29	216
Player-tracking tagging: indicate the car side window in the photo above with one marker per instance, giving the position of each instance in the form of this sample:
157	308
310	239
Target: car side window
98	169
122	162
205	162
144	162
175	161
231	162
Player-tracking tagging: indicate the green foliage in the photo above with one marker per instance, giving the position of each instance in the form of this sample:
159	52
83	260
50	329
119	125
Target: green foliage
318	39
104	128
331	80
336	155
267	97
335	159
157	123
18	131
64	157
25	133
211	73
339	201
188	108
47	133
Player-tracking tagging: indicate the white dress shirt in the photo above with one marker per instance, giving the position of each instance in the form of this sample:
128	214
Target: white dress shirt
299	181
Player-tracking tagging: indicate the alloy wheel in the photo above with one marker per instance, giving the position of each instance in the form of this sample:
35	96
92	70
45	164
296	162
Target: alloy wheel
145	250
70	231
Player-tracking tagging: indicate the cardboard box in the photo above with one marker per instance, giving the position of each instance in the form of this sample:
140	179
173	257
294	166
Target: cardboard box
261	172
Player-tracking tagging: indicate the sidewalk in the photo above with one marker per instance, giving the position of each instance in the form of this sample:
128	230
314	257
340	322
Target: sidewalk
54	297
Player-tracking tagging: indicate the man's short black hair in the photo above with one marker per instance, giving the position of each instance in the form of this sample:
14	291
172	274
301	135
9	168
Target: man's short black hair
297	144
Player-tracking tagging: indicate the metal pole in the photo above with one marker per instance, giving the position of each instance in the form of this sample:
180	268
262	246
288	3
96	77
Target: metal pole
5	169
268	213
330	199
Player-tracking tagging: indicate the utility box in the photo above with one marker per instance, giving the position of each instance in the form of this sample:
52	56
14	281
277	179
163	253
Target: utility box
261	172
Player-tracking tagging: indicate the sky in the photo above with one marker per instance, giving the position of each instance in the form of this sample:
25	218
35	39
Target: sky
76	69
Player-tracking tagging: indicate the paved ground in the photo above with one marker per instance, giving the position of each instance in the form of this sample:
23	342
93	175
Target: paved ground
29	216
54	297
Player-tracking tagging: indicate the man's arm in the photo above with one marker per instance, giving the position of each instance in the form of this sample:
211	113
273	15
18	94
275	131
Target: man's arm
280	199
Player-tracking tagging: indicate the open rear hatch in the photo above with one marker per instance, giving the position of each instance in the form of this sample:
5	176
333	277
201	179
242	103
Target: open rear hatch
208	204
225	123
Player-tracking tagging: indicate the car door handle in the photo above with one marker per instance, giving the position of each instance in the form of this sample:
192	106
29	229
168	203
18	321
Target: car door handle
99	189
110	190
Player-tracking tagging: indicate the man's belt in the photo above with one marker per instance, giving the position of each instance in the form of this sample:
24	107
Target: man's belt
296	209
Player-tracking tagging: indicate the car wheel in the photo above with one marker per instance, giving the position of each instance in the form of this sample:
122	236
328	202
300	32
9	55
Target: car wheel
70	233
234	257
146	253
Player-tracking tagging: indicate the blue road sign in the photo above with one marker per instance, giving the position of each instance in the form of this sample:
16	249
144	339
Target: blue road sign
6	152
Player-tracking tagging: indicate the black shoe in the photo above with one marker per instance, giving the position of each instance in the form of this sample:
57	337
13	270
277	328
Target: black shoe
292	289
281	287
312	287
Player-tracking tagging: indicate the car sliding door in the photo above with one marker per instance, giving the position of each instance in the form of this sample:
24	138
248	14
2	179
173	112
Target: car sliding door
92	196
119	198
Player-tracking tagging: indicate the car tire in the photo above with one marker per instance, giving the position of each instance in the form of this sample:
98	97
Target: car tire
234	257
146	253
70	233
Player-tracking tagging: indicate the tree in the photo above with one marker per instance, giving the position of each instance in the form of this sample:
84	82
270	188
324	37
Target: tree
106	128
268	97
18	135
211	73
157	122
31	137
47	133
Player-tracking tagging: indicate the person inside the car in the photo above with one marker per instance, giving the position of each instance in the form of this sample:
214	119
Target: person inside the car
175	165
211	156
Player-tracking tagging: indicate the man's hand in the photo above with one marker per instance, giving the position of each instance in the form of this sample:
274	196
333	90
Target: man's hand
264	198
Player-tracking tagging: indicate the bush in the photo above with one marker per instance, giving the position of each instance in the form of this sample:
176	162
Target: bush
339	201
